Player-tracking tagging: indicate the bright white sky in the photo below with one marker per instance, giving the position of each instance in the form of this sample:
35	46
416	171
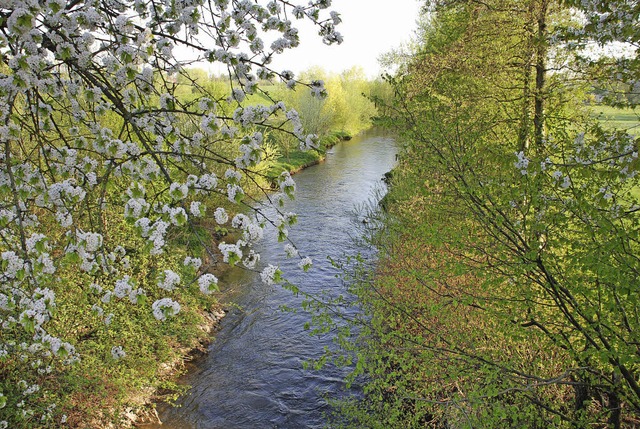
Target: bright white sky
369	28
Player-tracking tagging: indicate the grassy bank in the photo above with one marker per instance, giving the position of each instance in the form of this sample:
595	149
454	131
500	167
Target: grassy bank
427	351
126	355
623	119
455	337
296	160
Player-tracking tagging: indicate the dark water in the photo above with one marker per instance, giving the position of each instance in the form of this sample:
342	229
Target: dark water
253	375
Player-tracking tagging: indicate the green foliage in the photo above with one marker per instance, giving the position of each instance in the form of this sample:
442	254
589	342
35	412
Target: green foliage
94	390
504	296
346	108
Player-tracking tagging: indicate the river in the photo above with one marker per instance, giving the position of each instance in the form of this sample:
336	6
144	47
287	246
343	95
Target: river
252	376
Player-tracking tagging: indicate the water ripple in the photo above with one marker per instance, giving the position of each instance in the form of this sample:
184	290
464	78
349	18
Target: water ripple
253	376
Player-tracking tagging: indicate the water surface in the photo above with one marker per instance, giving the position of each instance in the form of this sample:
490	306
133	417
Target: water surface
252	376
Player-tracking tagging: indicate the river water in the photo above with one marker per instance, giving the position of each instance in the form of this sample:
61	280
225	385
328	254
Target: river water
252	376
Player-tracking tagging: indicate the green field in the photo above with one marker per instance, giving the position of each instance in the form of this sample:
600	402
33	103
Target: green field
623	119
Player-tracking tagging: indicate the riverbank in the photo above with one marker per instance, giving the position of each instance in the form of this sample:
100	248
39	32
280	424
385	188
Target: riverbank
142	409
296	160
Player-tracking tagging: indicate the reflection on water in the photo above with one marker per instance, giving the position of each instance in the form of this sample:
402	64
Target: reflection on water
253	376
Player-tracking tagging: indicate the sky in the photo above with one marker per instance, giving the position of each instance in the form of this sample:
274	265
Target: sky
369	28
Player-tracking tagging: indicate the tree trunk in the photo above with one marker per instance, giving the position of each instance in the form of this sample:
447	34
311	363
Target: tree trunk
541	69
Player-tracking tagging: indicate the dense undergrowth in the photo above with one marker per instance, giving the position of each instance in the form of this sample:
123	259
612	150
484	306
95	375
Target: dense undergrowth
505	293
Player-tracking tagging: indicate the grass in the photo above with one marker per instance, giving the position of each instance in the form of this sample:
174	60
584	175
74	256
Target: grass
623	119
297	159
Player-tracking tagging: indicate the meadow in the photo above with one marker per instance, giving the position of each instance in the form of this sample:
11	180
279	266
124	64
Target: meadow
621	118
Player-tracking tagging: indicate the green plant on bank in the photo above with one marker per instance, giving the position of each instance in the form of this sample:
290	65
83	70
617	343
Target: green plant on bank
97	388
347	110
506	291
293	160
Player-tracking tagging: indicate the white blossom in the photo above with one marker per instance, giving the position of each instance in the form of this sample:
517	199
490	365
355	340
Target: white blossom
290	250
270	275
97	310
123	287
287	185
194	263
207	182
231	253
108	319
196	208
220	215
234	193
305	263
522	163
251	260
178	191
208	283
117	353
165	307
168	280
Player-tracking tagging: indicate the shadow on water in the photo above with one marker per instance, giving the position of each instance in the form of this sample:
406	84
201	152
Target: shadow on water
252	376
